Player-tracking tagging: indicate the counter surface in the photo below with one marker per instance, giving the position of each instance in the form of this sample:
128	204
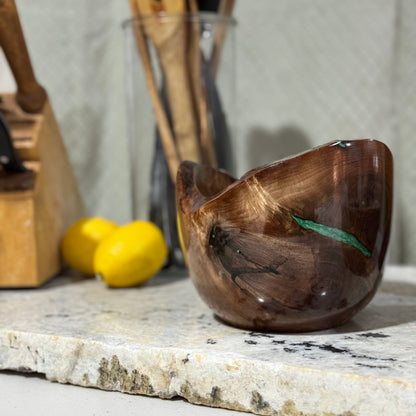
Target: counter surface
161	340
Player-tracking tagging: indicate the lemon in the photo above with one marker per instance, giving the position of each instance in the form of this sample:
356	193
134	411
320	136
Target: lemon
81	240
131	255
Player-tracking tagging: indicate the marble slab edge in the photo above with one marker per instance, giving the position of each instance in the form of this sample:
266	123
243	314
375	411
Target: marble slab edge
247	385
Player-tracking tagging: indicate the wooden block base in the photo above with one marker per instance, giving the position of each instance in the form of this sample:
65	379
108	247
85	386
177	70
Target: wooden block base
35	211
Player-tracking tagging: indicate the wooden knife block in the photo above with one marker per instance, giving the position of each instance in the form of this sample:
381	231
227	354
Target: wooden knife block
34	217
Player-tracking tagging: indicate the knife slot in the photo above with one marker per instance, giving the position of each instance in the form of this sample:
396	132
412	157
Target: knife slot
25	133
21	129
16	182
18	122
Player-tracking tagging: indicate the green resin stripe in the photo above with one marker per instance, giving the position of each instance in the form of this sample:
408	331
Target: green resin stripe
332	232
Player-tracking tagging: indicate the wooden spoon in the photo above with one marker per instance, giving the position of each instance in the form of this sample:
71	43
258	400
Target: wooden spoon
195	56
168	35
166	135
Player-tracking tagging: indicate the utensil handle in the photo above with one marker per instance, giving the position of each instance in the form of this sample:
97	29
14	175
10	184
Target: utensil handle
31	96
173	62
168	142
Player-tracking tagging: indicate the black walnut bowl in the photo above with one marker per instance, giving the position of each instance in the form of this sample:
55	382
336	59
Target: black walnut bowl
296	245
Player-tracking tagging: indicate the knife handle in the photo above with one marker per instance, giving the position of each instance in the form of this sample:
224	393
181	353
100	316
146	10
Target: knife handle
8	157
30	96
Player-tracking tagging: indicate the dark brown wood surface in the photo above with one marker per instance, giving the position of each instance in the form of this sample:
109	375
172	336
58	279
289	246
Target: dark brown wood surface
30	95
296	245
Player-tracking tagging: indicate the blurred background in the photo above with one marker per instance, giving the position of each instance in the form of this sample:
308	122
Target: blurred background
307	72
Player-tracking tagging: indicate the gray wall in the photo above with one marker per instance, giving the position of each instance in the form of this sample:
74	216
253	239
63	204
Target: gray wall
306	72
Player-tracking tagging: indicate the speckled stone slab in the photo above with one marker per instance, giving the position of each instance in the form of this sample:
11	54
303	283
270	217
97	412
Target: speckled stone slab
161	340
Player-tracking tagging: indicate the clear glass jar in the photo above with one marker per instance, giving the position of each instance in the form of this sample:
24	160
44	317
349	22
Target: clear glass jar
192	60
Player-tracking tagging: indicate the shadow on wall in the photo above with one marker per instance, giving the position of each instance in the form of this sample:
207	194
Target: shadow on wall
265	146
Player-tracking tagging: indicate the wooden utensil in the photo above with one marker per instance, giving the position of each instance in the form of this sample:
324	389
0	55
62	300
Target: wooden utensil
168	35
30	96
163	210
33	217
297	245
163	199
166	135
166	160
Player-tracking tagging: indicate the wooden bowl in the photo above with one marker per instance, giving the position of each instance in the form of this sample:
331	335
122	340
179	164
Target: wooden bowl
296	245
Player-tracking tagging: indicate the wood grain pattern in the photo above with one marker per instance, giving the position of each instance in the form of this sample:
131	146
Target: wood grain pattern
168	33
296	245
30	95
164	129
38	206
35	210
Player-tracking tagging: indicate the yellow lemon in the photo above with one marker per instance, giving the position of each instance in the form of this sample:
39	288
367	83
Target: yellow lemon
131	255
81	240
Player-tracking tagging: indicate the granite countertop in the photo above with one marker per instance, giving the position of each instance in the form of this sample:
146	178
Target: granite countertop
161	340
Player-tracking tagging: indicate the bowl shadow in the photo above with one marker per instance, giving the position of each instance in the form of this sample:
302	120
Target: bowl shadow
393	305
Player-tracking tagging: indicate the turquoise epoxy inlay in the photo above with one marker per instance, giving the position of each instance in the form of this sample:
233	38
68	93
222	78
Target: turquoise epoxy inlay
332	232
